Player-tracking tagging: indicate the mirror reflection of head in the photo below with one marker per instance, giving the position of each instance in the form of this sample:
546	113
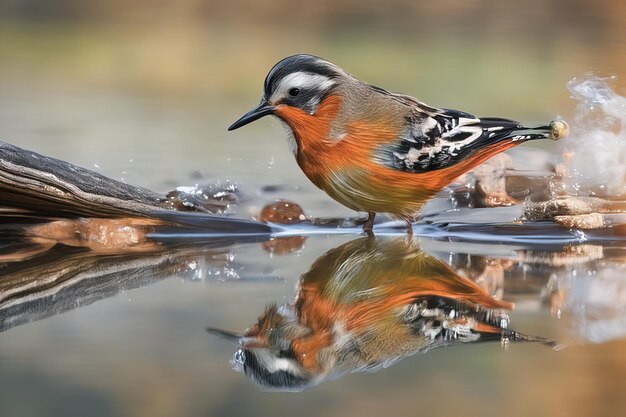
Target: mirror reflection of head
363	306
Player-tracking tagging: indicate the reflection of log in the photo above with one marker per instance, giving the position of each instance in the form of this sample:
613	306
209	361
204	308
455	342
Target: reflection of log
61	280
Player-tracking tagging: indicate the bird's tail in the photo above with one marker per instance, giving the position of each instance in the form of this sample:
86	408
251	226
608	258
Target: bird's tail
508	129
556	130
493	333
497	135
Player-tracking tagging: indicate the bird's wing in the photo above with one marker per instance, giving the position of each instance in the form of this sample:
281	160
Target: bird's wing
438	138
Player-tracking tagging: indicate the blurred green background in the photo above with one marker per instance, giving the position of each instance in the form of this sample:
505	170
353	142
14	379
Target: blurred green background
485	55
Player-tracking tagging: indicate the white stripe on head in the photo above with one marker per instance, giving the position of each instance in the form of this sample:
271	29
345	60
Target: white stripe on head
274	364
302	80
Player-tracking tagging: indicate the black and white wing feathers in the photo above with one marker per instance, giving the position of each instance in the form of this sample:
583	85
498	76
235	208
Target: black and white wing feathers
438	138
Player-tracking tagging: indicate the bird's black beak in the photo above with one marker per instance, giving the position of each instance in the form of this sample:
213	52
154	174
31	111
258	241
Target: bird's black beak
263	109
226	334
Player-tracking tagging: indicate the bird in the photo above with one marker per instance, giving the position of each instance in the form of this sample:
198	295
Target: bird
375	151
361	307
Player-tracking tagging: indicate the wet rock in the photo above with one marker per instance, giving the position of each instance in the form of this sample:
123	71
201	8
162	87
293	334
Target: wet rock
497	184
490	183
282	212
211	198
581	221
520	187
561	206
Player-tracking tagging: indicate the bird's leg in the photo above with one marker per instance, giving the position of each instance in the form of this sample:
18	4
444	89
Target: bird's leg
368	226
409	228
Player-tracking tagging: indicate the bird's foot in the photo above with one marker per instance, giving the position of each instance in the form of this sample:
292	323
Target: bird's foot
368	226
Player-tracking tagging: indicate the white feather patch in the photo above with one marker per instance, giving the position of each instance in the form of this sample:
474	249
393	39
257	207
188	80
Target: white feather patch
301	80
291	139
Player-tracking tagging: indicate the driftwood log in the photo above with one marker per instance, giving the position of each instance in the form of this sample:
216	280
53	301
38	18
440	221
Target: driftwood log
36	186
49	186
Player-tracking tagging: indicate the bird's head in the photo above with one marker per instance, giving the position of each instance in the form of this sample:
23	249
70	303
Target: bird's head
266	351
299	83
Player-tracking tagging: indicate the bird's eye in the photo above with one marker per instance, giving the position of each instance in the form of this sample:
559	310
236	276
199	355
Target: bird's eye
286	353
294	92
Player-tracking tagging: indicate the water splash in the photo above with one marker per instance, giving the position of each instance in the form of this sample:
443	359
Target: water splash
595	157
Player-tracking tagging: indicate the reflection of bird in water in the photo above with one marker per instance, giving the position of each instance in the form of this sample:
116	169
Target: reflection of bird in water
362	306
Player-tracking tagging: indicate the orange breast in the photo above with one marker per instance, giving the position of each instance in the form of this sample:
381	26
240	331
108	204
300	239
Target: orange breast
322	158
314	152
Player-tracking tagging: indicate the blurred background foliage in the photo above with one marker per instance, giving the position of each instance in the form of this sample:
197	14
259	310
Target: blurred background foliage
458	54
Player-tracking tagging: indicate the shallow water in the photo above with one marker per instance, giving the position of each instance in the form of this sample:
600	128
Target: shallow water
142	331
125	334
